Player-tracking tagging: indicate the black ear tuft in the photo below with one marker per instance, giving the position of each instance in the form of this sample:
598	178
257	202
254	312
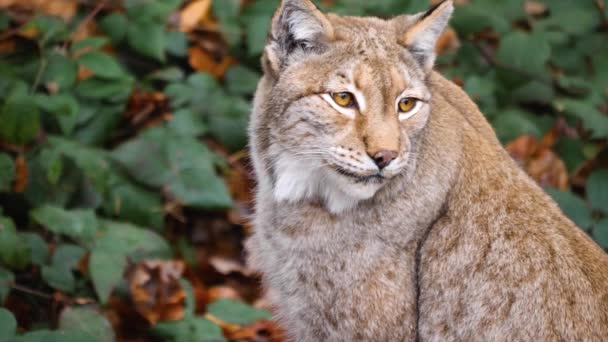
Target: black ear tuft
296	26
421	36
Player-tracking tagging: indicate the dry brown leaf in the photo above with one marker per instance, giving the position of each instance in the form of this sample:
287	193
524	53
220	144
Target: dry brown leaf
156	291
147	108
202	61
447	41
7	3
226	266
7	46
193	14
65	9
534	7
84	73
21	174
260	331
222	291
539	161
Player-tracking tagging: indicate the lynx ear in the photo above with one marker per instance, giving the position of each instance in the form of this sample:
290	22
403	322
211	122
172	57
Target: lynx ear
297	26
423	30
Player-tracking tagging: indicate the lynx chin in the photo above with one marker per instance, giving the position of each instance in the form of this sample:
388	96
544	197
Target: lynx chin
386	208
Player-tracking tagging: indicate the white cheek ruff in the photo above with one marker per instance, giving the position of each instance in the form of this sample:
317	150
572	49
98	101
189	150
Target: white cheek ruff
349	112
407	115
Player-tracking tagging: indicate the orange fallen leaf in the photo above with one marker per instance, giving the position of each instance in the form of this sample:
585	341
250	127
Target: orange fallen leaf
260	331
534	7
21	174
222	291
193	14
539	161
7	46
200	60
447	41
156	291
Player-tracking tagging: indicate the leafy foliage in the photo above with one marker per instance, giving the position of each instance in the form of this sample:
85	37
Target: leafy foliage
123	126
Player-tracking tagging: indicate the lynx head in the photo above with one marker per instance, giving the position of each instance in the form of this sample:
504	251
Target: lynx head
342	102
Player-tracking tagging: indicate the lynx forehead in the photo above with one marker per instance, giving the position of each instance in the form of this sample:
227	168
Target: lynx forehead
348	102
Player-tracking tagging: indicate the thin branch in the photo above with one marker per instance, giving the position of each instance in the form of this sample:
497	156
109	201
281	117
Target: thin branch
41	69
601	6
32	291
493	62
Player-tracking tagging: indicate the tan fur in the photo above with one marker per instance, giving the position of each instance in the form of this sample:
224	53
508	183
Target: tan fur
455	243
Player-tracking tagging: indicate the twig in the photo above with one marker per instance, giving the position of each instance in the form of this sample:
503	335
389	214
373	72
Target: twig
85	21
32	291
601	6
493	62
40	71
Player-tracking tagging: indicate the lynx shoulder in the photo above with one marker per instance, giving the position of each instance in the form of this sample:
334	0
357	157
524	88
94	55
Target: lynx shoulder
386	208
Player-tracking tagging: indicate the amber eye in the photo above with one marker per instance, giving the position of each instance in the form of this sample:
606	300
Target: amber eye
344	99
406	104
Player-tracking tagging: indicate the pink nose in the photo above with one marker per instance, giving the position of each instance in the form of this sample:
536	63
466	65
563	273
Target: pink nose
383	158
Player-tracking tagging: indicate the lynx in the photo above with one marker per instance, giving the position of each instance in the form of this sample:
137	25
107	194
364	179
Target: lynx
386	208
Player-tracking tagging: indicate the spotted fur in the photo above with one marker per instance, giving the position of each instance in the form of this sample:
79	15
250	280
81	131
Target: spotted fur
450	242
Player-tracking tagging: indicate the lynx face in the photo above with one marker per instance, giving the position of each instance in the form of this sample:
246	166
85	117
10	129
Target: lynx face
348	101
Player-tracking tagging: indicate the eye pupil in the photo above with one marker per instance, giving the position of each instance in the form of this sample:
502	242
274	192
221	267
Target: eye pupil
344	99
407	104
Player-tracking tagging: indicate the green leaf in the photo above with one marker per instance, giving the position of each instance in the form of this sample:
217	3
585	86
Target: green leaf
55	336
6	281
226	9
7	172
597	190
80	225
571	152
148	38
134	241
511	124
115	26
87	321
257	32
88	44
574	20
574	207
170	74
177	43
59	274
14	250
60	70
185	122
106	266
528	53
97	88
133	203
8	325
227	12
471	19
38	248
232	311
102	65
64	107
151	10
600	233
190	329
181	164
241	80
5	21
19	116
593	120
109	257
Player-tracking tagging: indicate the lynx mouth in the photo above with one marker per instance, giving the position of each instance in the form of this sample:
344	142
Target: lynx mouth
375	178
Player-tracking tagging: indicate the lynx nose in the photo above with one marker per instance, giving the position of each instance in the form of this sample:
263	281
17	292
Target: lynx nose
383	158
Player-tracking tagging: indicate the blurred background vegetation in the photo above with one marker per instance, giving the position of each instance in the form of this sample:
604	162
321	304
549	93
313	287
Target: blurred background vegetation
124	180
